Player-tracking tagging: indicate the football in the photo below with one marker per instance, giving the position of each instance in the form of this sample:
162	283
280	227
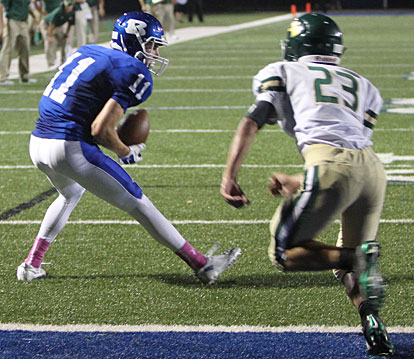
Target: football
134	128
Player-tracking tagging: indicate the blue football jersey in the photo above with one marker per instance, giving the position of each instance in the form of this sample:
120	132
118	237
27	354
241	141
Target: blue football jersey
84	83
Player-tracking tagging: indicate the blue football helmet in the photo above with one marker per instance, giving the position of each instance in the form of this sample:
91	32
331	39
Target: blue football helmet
136	32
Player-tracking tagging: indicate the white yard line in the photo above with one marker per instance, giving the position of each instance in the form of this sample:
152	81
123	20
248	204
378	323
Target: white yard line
178	222
188	328
6	167
13	92
388	172
161	108
396	175
403	110
218	131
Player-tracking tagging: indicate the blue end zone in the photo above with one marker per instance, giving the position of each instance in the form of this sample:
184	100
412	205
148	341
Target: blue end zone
194	345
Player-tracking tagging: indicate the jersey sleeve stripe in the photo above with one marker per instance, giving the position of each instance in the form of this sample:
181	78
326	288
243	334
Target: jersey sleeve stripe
370	119
274	83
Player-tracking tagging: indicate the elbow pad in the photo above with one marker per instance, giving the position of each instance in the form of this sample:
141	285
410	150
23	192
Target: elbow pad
262	112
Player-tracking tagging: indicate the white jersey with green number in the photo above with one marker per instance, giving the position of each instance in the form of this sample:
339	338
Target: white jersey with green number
317	101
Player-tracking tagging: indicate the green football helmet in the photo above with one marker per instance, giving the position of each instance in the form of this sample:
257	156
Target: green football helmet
312	34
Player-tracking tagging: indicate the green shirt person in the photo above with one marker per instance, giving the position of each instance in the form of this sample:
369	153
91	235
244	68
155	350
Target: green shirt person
16	9
57	18
14	33
51	5
61	15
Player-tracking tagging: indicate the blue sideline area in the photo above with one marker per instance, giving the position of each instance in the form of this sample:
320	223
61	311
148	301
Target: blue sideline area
194	345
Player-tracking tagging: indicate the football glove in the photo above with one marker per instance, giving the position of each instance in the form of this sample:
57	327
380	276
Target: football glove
134	154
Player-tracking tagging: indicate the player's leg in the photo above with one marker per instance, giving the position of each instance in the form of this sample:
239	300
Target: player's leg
9	42
199	5
60	41
53	222
369	282
359	226
94	25
50	51
190	10
301	218
358	230
23	49
81	26
45	155
105	178
169	18
377	338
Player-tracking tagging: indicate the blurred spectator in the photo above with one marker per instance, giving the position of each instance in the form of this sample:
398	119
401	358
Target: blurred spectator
325	6
195	6
147	4
14	31
180	9
34	19
59	22
46	7
97	10
163	10
82	15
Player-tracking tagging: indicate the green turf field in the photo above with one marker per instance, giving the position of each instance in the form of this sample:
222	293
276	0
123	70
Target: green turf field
114	273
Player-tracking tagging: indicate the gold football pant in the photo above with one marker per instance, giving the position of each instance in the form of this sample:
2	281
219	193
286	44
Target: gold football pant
338	183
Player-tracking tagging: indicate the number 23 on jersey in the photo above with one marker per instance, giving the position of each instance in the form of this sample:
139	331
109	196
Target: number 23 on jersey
346	83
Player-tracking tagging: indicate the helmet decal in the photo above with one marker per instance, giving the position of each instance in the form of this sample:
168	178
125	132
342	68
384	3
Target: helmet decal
136	27
295	28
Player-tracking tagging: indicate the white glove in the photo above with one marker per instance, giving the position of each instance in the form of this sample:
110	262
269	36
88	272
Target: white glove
134	154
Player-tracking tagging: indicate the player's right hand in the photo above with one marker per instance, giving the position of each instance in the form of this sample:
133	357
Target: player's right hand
233	194
134	154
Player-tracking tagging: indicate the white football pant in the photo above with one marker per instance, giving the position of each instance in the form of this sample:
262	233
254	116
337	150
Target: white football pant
73	166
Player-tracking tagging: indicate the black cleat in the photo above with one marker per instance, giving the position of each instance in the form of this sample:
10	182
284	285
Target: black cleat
378	340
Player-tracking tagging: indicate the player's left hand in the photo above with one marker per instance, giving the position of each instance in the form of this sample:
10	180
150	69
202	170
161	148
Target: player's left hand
282	184
233	194
134	154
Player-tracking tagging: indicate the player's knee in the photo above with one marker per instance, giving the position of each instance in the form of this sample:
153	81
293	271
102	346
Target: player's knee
72	195
278	260
276	255
339	273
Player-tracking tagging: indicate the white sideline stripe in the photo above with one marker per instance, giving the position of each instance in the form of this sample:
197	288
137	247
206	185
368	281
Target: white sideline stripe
231	77
402	110
10	92
212	31
233	222
188	328
169	108
409	171
400	172
170	166
38	62
402	101
392	102
273	56
215	131
391	178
